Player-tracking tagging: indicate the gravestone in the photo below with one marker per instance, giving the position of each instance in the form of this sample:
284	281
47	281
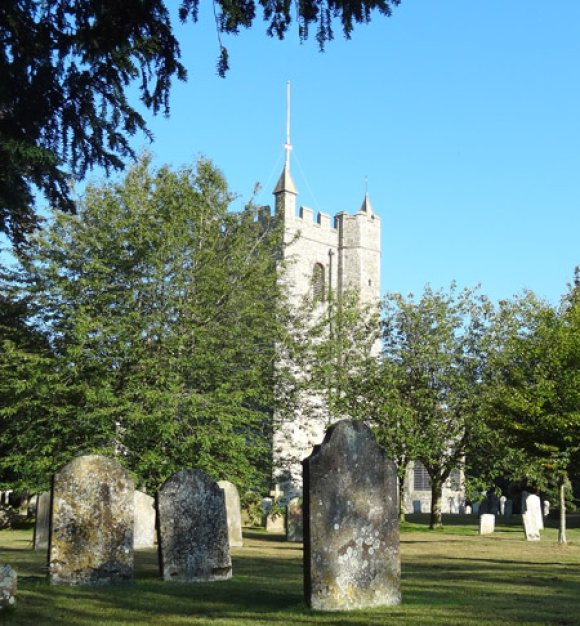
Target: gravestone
144	523
275	518
234	513
475	508
8	581
533	504
294	521
193	529
351	526
42	524
486	523
502	502
546	508
416	506
468	509
91	536
530	517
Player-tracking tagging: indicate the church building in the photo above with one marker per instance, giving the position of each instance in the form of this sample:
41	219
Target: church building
327	254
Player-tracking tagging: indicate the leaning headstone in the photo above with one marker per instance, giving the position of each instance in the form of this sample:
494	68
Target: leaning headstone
234	513
530	517
351	525
8	580
91	536
42	524
486	524
144	523
294	521
193	529
534	504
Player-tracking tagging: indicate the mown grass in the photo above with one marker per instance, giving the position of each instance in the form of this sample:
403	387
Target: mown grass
449	577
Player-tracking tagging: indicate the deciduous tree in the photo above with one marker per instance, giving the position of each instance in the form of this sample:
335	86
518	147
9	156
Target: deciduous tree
163	312
534	387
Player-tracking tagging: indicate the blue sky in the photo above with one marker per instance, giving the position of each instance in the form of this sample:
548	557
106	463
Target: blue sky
463	115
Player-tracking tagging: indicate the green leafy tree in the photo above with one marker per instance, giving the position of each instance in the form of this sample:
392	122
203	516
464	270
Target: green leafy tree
435	348
163	311
66	65
534	388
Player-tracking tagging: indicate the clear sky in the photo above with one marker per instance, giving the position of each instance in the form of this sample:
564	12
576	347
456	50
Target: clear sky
464	116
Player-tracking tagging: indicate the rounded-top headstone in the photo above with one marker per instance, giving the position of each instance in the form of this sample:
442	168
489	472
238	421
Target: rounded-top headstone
351	525
192	529
91	538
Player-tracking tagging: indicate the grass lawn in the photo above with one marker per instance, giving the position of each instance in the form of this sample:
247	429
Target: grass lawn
449	577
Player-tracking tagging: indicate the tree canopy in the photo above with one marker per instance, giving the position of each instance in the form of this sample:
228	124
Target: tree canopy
66	66
161	312
533	395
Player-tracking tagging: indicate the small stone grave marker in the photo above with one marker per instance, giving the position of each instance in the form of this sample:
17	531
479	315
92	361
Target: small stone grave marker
294	521
42	524
8	582
486	523
234	513
144	529
530	517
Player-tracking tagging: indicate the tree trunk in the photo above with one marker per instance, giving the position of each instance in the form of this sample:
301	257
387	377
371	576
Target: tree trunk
562	496
436	503
401	498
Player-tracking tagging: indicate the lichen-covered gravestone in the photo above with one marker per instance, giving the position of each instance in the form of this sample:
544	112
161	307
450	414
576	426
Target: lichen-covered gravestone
294	521
144	525
91	537
351	526
234	513
193	529
42	524
8	580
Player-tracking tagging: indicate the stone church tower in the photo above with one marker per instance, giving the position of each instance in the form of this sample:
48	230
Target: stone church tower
323	255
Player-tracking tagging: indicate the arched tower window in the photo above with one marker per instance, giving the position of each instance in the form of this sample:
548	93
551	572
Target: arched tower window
318	291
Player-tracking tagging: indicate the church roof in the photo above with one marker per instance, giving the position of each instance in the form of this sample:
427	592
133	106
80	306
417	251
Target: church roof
366	206
285	182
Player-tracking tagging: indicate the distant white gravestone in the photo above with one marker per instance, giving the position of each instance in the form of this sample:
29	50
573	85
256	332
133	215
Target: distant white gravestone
144	528
486	524
530	517
234	513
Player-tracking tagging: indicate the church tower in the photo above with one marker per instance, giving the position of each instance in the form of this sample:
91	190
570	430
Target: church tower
322	255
